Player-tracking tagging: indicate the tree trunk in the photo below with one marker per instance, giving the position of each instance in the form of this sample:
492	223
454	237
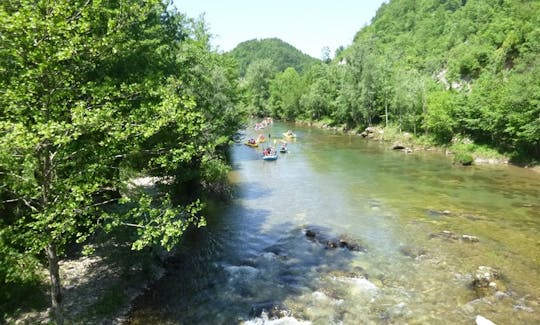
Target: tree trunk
424	108
56	288
386	114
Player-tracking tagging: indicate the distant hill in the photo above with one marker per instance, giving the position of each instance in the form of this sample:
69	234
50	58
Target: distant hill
281	53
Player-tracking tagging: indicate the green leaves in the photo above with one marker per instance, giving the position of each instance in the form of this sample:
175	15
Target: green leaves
282	55
286	89
93	93
163	224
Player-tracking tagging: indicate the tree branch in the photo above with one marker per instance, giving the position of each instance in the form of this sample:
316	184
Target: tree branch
132	225
12	200
15	175
28	204
103	203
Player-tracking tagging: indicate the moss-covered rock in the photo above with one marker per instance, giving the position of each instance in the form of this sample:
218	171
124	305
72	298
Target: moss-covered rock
463	159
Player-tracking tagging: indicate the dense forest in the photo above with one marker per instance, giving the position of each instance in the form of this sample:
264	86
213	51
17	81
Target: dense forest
92	96
271	66
447	70
281	55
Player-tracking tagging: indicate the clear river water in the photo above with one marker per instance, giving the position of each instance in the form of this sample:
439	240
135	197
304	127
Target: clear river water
414	229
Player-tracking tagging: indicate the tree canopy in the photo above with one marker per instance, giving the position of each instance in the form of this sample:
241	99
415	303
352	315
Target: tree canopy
92	94
281	54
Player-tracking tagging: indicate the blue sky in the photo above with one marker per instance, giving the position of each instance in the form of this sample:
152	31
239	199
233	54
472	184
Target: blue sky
307	25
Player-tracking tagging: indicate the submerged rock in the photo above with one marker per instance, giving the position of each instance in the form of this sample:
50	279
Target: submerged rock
520	307
474	217
264	320
268	309
484	275
486	281
241	273
445	234
448	235
438	213
411	251
351	245
469	238
333	243
311	233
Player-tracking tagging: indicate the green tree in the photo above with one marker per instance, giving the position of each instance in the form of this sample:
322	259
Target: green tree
257	86
409	99
320	99
89	91
439	119
522	100
349	110
285	92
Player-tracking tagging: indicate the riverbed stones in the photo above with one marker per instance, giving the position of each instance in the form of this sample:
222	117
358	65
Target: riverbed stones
343	241
485	275
269	309
438	213
411	251
445	234
450	236
486	281
469	238
350	244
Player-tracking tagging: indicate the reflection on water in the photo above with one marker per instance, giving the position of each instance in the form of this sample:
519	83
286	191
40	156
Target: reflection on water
410	212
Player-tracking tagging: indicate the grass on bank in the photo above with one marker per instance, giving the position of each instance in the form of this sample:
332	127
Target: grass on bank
464	150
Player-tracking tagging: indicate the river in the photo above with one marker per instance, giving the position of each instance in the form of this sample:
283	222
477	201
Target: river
404	215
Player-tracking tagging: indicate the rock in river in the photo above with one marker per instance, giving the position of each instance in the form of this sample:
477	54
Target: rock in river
486	281
412	251
333	243
448	235
272	310
484	275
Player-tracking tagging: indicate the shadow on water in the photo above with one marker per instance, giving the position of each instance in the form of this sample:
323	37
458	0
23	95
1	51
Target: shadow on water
243	153
233	277
237	267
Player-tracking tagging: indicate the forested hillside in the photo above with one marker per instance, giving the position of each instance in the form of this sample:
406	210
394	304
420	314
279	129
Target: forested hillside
282	55
446	70
455	67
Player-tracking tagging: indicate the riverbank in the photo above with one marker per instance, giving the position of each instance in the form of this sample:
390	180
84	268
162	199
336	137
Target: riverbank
409	143
99	288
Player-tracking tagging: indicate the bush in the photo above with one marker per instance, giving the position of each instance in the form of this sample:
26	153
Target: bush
463	158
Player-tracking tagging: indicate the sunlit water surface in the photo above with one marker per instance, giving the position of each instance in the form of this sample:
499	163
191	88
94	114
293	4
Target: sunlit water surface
255	255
